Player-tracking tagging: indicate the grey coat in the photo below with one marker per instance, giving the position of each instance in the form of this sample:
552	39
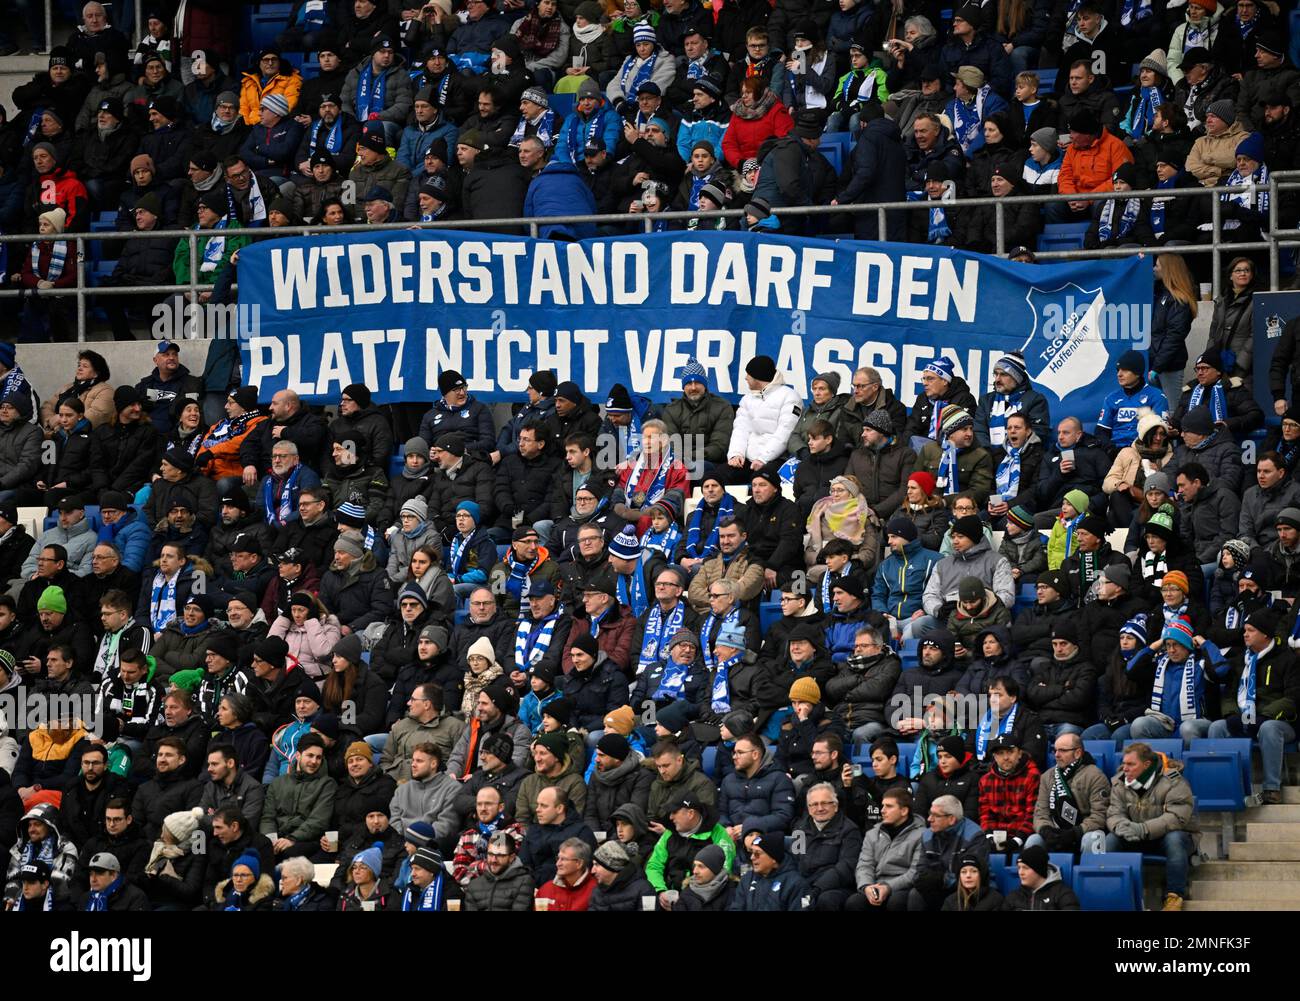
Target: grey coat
20	455
895	860
1259	511
511	891
432	800
977	561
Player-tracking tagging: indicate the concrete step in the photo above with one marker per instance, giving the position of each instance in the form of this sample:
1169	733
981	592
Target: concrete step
1279	871
1246	889
1284	813
1264	851
1290	794
1241	905
1273	832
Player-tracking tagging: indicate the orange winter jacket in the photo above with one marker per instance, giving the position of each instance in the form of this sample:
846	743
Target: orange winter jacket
1091	169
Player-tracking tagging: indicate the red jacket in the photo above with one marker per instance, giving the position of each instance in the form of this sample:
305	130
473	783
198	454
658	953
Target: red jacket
1007	801
66	279
59	188
614	638
743	138
564	899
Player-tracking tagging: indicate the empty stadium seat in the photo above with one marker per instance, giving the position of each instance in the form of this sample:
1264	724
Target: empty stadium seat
1110	882
1046	80
562	104
709	761
1103	753
834	155
1240	746
1171	747
769	613
1215	778
1062	236
1207	571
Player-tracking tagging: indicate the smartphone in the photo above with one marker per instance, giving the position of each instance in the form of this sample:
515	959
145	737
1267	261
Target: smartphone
995	500
857	771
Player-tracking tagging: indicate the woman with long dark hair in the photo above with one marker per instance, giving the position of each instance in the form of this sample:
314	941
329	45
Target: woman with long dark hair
1232	328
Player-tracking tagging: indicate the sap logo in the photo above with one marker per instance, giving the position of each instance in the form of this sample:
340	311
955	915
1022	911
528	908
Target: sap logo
103	955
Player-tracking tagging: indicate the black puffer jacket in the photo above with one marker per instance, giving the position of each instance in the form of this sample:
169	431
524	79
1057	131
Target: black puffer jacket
962	782
624	893
957	394
474	481
1064	691
830	855
593	693
526	485
354	799
123	456
373	435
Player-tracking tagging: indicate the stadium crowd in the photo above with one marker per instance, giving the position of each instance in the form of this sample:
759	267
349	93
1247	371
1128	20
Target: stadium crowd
417	113
544	663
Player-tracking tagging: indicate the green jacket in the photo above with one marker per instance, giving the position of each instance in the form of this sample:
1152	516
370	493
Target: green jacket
181	257
674	852
299	806
711	419
974	470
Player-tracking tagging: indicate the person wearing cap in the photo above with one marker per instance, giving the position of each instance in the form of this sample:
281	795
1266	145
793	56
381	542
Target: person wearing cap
604	619
110	889
21	450
356	587
272	76
375	169
330	131
1008	793
1012	393
1151	807
1041	886
974	101
691	827
647	62
697	94
773	882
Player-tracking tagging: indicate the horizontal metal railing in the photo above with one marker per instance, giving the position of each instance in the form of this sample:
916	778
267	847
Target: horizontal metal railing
1273	240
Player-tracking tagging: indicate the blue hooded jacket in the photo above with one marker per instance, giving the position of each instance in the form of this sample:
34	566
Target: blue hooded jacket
558	190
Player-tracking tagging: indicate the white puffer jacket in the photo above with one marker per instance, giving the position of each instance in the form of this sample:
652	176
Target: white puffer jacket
765	421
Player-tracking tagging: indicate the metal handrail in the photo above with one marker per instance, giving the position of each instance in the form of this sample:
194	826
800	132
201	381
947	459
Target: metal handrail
1274	239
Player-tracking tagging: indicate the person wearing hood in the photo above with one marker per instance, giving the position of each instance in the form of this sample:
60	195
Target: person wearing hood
40	842
992	656
1041	887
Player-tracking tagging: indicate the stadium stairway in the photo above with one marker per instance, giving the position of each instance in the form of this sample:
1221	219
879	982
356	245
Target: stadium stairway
1261	873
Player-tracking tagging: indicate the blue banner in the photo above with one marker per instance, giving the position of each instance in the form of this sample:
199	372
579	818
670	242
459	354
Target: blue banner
394	309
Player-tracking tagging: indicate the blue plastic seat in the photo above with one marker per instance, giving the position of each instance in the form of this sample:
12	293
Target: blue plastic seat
709	761
562	104
1063	236
1009	877
834	154
1207	571
1240	746
1065	862
1215	778
501	552
1046	80
1170	747
910	654
1106	886
1103	752
769	613
462	616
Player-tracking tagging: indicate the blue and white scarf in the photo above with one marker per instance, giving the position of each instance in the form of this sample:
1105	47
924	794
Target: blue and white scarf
1246	686
220	127
47	902
1251	201
702	551
968	119
672	682
532	640
98	900
1188	702
296	901
936	418
58	258
948	481
1003	406
1005	725
631	591
595	130
720	699
828	579
1134	10
706	629
1218	400
370	93
1070	526
937	229
429	899
1008	475
596	620
1144	112
657	634
664	543
631	76
333	141
1158	206
543	129
162	600
658	485
214	248
45	852
520	580
1127	220
281	511
459	548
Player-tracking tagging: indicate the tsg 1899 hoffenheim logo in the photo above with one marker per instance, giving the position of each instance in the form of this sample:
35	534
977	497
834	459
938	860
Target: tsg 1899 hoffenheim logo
1066	349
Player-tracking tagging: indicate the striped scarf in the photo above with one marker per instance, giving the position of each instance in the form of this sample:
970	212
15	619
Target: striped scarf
706	630
1061	803
949	479
1188	695
664	543
634	72
1005	725
1246	686
58	258
1145	112
333	141
1127	220
98	900
1003	406
1008	476
658	632
631	590
828	579
162	600
459	545
694	549
1218	400
520	579
543	129
720	699
428	899
370	93
532	640
280	512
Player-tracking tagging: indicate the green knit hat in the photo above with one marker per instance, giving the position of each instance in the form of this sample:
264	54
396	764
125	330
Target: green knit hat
52	599
1079	499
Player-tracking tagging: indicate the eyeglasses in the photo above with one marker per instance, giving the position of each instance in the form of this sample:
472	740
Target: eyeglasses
715	594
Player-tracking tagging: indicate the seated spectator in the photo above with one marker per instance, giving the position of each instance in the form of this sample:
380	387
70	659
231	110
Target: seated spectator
300	803
971	557
1041	887
1090	163
557	845
1062	689
1150	809
773	883
950	840
504	884
1141	460
1078	461
891	856
1209	445
1213	156
272	76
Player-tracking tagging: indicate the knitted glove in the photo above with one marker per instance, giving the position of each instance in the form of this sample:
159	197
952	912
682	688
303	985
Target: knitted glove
1126	829
1139	832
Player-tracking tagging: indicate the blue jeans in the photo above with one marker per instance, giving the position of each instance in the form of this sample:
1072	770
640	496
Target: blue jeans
868	732
377	741
1092	842
1024	57
1054	730
1176	847
1099	731
543	529
1273	735
1171	382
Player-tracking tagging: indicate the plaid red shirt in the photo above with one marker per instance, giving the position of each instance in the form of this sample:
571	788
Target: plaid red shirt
1007	802
470	858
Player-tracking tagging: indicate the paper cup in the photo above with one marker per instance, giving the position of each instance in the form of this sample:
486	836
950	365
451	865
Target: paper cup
453	905
332	839
648	903
541	903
